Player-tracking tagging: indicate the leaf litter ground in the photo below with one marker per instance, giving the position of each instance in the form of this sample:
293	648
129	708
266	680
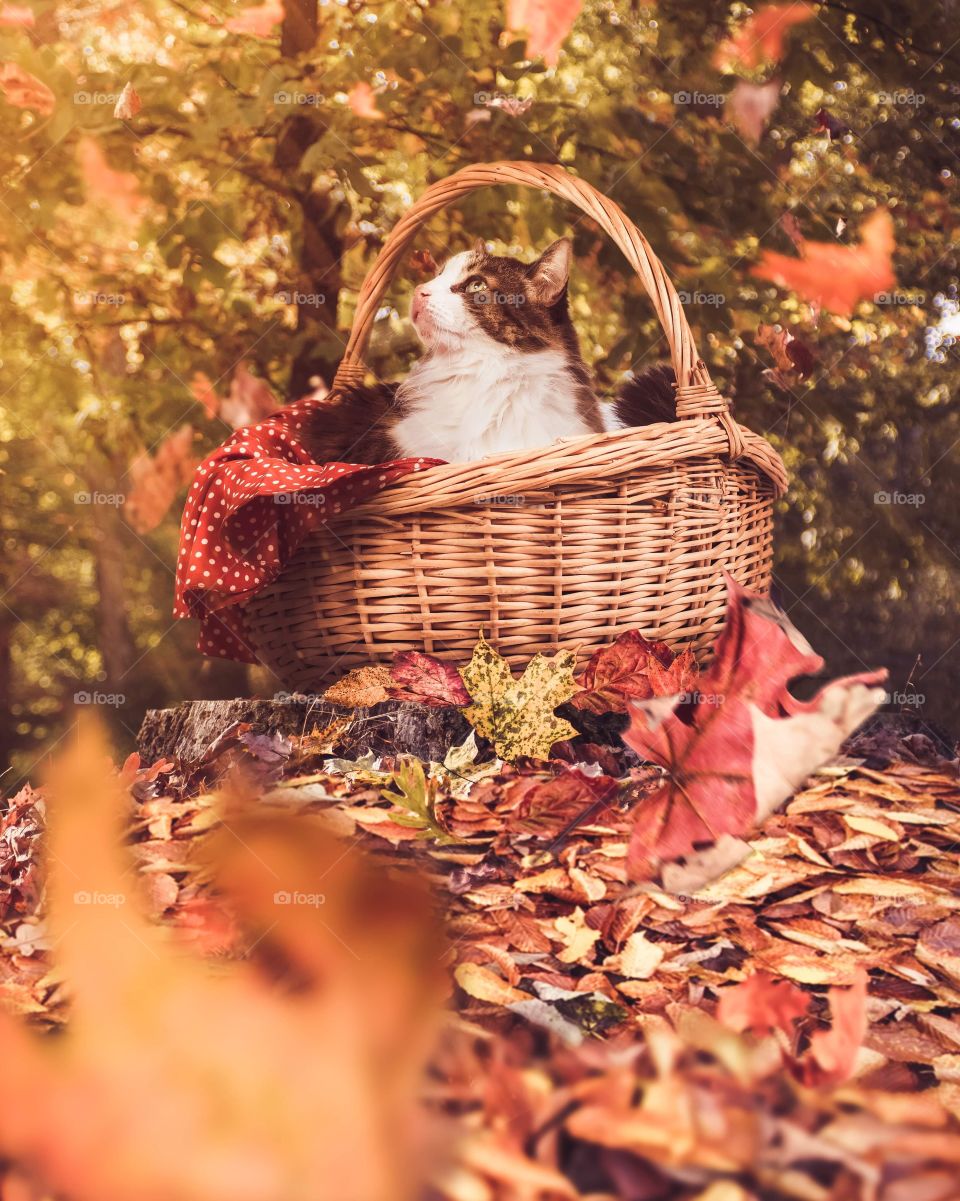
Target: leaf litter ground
790	1029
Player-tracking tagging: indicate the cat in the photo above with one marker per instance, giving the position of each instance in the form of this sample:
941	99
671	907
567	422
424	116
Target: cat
502	372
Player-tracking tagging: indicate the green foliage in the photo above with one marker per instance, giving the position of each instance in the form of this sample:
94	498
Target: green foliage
247	180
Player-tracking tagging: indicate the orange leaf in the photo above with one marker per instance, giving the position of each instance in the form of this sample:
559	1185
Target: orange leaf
833	1052
118	191
361	99
24	90
833	276
762	1002
751	106
258	21
546	23
128	105
250	400
761	38
158	479
204	393
632	669
224	1085
16	14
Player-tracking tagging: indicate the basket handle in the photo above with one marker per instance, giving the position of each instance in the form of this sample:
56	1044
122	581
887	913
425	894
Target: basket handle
696	394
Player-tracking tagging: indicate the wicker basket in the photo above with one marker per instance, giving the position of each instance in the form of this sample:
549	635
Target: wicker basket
566	546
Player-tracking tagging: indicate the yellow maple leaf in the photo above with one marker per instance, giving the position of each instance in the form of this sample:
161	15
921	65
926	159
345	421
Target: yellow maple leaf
518	715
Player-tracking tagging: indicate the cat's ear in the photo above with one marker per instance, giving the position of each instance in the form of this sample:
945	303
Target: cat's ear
479	247
549	274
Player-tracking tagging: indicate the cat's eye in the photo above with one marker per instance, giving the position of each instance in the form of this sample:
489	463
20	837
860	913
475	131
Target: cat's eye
475	284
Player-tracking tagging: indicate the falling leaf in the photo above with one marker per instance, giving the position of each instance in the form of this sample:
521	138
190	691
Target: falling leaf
425	680
546	24
762	1002
833	126
258	21
518	716
833	1052
24	90
792	357
833	276
361	100
17	15
423	263
158	478
632	668
743	744
204	393
752	105
761	37
117	191
128	104
513	106
249	401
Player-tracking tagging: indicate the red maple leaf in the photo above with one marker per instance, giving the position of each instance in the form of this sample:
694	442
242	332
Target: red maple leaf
833	276
632	668
426	680
741	744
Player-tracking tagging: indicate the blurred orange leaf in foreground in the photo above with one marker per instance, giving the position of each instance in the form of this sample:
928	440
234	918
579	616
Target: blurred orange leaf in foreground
834	276
289	1075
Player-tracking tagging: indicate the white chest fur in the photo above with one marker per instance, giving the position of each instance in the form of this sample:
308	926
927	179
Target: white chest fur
483	398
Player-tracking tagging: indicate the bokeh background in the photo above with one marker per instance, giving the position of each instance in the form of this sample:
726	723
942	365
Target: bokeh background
191	193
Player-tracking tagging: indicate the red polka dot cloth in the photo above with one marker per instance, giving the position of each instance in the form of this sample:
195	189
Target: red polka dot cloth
251	504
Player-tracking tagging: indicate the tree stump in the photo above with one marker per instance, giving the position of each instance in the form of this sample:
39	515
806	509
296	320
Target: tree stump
186	733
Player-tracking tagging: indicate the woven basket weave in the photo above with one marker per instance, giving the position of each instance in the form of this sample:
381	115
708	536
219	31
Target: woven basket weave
565	546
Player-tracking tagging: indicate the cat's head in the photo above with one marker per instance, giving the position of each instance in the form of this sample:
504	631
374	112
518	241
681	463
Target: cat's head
477	295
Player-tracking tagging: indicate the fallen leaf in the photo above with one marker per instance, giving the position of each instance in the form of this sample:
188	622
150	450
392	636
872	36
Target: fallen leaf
632	668
425	680
578	938
362	687
639	958
518	716
485	985
833	276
